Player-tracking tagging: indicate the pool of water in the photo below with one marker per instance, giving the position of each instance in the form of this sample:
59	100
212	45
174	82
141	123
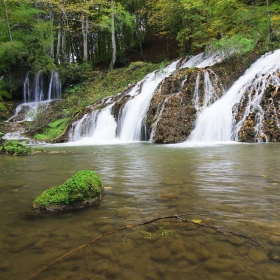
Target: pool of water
237	187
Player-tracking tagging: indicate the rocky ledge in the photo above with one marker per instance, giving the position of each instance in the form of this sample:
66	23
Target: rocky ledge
82	190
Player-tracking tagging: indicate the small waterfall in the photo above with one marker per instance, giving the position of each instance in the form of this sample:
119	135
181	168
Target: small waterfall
134	112
39	91
38	87
215	123
54	91
99	127
26	89
36	93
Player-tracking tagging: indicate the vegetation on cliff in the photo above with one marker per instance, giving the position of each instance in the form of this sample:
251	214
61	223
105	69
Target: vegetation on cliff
81	190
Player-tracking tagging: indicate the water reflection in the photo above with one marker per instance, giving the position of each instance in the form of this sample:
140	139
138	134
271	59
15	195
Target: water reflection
237	186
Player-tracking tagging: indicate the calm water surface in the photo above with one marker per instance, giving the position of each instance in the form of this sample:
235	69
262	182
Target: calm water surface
236	186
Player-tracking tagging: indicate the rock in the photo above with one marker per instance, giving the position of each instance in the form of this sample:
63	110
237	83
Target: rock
82	190
160	254
257	255
275	239
218	264
176	246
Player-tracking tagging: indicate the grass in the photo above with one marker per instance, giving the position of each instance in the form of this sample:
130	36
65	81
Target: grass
53	130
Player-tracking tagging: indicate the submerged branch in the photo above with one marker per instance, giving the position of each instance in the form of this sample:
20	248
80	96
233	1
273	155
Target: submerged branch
177	217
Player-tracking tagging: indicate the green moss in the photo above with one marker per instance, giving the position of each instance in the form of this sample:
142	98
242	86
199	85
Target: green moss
53	131
83	186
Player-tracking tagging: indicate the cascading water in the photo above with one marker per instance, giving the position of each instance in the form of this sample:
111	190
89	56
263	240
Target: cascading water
37	96
134	112
175	106
99	127
37	91
216	123
130	123
54	91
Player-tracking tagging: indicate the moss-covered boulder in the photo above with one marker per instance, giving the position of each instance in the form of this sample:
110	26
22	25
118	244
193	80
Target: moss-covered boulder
82	190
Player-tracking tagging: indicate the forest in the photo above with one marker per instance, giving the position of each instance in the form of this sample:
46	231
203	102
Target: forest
49	35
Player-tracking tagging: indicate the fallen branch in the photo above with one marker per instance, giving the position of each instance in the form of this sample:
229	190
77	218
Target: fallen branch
178	217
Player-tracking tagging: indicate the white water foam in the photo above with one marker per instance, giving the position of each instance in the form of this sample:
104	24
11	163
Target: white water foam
215	123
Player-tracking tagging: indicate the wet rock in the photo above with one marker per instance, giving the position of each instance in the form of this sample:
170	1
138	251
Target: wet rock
106	228
168	197
246	276
189	269
188	256
125	261
202	253
275	256
5	265
103	251
275	239
152	275
242	251
235	240
192	246
257	255
21	245
218	264
176	246
160	254
200	239
220	248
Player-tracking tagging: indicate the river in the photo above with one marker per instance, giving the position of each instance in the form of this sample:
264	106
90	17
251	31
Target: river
236	186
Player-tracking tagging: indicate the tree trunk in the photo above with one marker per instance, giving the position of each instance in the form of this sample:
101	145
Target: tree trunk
52	39
7	20
85	37
63	46
58	43
113	37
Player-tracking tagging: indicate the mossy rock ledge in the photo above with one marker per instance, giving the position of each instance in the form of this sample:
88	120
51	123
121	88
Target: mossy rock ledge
82	190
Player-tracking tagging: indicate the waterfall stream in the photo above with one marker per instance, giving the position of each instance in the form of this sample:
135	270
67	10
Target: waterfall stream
216	123
37	95
129	125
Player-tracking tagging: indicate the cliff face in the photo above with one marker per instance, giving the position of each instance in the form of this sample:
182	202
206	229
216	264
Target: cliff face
184	94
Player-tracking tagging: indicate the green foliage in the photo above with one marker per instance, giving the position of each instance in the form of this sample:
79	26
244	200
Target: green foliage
236	44
15	148
53	131
76	72
11	54
5	94
83	186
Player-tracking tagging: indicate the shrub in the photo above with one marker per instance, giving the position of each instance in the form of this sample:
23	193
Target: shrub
15	147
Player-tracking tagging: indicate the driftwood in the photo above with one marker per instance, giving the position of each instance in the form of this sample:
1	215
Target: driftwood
176	217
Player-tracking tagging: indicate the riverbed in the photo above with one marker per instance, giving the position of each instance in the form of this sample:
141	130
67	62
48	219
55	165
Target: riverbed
232	186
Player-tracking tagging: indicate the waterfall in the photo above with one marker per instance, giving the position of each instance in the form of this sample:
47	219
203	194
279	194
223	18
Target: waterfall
216	123
130	124
134	112
26	89
37	96
99	127
38	87
38	91
54	91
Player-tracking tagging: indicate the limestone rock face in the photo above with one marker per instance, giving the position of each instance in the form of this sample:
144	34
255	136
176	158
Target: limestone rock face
177	102
82	190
